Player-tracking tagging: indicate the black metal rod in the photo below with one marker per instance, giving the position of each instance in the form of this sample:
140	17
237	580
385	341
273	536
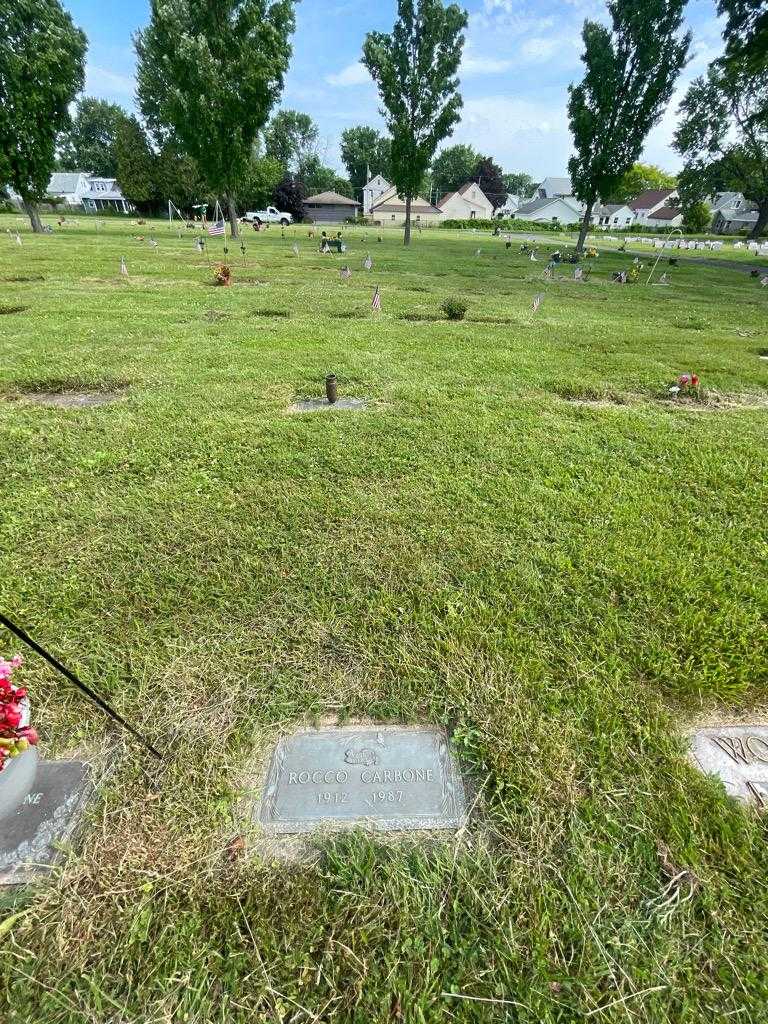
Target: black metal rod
99	701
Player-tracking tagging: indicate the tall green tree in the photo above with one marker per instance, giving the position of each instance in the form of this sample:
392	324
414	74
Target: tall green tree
316	177
723	137
42	68
364	152
210	71
631	68
745	33
520	184
414	68
488	176
291	137
90	142
136	165
453	167
639	178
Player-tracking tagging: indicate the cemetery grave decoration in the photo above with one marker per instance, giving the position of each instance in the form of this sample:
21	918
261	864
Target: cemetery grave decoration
16	734
222	275
687	385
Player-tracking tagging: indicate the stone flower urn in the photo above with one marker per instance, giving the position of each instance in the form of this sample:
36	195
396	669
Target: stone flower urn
18	776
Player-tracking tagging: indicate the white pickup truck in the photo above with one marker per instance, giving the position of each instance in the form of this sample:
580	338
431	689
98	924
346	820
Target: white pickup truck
269	216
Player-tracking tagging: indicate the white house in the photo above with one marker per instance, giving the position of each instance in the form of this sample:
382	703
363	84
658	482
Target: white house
647	203
105	194
372	189
69	186
510	207
554	188
76	188
665	217
551	211
389	209
612	215
467	203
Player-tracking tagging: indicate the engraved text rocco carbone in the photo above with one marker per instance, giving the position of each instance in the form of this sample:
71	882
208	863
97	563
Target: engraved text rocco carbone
388	778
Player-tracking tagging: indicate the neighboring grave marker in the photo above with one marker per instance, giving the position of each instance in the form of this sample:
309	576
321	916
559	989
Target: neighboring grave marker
44	817
390	778
738	756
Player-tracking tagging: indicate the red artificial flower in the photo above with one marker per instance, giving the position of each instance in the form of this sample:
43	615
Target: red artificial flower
694	380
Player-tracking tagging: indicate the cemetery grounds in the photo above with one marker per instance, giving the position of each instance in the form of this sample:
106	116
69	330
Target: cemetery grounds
523	537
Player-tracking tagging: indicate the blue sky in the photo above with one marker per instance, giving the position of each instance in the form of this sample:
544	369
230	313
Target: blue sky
519	59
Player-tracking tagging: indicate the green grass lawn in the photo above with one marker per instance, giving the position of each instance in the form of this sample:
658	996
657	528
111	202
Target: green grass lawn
521	538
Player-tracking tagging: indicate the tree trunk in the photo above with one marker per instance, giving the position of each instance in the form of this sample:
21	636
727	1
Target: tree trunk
762	221
585	226
229	202
33	213
407	232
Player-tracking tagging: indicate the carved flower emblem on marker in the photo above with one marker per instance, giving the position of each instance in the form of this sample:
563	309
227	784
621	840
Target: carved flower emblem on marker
365	756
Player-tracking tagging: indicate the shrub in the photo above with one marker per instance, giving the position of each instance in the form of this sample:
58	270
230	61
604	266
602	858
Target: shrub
504	225
454	309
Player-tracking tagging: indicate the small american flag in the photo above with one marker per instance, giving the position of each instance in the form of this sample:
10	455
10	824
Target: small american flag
368	262
123	268
346	273
376	301
537	301
295	249
217	228
764	282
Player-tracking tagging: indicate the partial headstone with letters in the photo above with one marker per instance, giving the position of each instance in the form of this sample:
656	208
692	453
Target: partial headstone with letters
41	803
738	756
389	778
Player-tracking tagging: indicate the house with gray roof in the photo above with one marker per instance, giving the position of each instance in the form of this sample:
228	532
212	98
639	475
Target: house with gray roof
732	213
562	210
77	188
612	215
330	207
554	188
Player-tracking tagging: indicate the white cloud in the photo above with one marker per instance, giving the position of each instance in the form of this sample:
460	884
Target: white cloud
108	84
353	74
471	67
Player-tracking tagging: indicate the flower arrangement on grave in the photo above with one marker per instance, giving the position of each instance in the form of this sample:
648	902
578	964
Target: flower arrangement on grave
686	386
222	274
15	738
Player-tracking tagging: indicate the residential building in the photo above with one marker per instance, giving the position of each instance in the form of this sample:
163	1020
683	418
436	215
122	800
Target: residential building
612	215
79	189
105	194
509	207
665	217
554	188
551	211
732	213
467	203
372	189
648	202
330	207
389	209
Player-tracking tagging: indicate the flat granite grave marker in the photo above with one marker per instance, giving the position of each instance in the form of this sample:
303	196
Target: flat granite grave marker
44	815
389	778
738	756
